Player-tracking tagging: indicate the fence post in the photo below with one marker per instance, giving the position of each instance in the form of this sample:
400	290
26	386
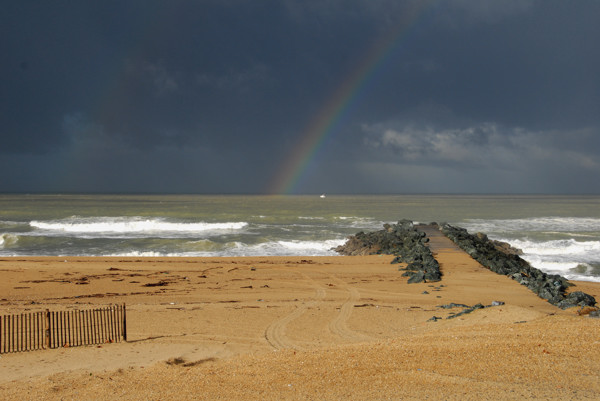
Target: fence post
14	336
124	323
29	331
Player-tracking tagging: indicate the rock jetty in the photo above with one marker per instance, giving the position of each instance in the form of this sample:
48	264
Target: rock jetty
504	260
404	241
409	245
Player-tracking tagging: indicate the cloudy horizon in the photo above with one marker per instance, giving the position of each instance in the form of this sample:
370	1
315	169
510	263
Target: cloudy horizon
218	96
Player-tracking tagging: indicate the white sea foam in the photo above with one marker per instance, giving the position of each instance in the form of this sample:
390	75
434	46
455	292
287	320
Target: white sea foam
557	245
271	248
129	225
9	224
540	224
565	257
364	223
569	270
7	240
284	248
565	248
144	254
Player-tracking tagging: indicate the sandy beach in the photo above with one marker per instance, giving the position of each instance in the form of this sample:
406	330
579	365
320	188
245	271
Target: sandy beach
318	328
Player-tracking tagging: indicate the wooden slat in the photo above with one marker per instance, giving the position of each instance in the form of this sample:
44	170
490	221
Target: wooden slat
80	319
31	331
51	330
124	322
84	328
70	328
95	326
47	329
99	325
13	333
36	330
107	324
60	326
20	332
88	327
6	333
102	319
56	322
113	328
118	321
65	328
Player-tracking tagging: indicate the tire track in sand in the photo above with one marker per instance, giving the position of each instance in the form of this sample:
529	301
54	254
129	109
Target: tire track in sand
339	325
275	333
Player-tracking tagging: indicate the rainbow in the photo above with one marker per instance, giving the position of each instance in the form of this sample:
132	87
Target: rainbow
338	106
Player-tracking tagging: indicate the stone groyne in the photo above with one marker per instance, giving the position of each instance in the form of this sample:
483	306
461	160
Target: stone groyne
409	245
496	257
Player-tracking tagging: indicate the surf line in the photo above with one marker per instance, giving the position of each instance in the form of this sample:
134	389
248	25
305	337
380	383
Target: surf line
337	107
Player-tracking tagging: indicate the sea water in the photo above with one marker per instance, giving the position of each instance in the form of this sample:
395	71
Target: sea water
558	234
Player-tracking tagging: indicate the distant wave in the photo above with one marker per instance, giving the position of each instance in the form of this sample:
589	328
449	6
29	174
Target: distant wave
360	222
128	225
541	224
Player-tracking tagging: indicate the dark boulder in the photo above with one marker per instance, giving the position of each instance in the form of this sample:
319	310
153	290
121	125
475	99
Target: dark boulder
404	241
576	298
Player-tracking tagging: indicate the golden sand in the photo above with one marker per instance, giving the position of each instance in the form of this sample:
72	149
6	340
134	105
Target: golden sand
316	328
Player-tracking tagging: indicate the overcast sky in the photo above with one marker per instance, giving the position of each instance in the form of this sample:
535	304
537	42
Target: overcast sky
214	96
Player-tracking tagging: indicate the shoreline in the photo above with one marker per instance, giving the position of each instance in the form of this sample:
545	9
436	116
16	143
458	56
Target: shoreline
272	321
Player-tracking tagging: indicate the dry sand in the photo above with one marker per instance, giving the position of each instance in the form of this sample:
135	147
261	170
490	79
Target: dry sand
315	328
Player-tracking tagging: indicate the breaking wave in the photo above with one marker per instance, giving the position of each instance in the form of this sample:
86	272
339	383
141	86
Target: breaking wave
537	224
129	226
575	260
569	246
271	248
7	240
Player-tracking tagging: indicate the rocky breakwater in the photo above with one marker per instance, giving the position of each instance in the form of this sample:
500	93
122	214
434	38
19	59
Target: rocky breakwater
501	259
404	241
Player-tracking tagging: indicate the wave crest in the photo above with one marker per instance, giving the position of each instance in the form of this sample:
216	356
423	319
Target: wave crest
540	224
130	225
7	240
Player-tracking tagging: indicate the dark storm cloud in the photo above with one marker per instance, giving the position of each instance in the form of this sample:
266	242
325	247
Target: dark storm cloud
210	96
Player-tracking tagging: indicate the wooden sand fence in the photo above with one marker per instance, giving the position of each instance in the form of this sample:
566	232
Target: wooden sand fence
43	330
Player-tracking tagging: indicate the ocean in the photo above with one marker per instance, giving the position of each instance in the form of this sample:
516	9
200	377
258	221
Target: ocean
558	234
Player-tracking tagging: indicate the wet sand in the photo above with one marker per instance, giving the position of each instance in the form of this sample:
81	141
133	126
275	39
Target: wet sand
322	328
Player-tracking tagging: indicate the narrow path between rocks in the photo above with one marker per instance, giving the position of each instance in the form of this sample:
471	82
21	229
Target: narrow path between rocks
438	241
